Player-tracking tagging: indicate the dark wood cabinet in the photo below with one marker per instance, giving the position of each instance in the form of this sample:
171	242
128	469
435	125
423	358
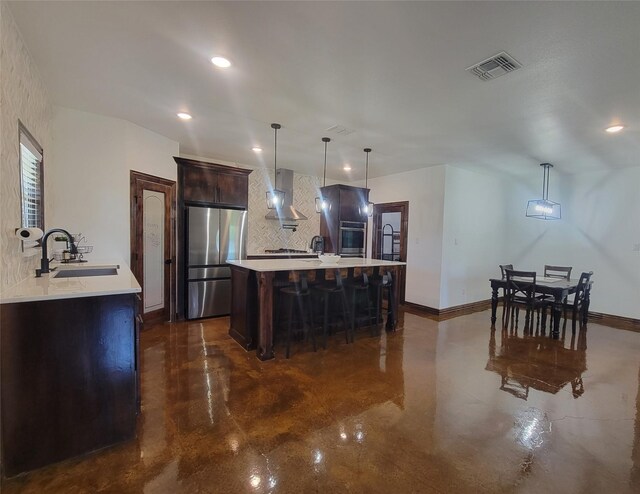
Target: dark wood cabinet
68	377
233	189
199	184
211	184
346	205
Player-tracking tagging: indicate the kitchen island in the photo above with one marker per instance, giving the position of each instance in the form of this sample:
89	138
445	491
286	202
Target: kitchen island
252	294
69	366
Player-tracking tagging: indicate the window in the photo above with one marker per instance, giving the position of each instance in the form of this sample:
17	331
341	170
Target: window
31	180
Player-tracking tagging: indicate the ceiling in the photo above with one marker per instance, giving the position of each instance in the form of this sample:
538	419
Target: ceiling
393	72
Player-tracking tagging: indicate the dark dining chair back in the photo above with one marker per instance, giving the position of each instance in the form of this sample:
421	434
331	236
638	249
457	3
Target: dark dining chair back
521	285
579	306
563	272
521	292
503	268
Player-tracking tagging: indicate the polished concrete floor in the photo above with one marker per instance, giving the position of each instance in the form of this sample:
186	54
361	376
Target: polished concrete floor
436	407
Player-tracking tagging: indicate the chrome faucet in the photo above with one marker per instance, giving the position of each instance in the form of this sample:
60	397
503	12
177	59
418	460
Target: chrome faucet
44	262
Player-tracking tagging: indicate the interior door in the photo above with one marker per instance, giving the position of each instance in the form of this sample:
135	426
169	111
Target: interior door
390	242
153	212
153	243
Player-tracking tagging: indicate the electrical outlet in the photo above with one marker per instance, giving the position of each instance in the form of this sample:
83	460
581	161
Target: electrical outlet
636	247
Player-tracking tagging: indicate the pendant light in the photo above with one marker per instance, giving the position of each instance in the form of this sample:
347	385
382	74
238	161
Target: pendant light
275	197
322	204
367	207
544	209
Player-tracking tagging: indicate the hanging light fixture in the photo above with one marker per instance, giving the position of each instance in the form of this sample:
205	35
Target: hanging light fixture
322	204
367	207
275	197
544	209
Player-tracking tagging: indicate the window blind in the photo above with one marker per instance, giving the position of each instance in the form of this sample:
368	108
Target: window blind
31	179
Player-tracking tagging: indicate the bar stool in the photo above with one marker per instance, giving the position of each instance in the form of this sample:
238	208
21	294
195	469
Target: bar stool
326	292
359	289
299	295
379	285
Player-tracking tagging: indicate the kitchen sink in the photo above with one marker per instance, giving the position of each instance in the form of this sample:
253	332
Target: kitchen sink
78	273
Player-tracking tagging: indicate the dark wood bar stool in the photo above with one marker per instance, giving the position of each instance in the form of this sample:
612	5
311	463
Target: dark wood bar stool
379	285
298	295
360	296
335	292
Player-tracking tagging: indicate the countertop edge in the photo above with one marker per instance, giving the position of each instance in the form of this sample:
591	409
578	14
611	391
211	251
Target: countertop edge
32	289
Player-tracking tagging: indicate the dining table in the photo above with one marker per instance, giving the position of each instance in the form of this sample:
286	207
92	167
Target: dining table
558	288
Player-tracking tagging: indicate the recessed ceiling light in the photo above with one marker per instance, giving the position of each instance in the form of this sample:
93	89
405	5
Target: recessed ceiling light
614	128
256	149
184	116
347	168
221	62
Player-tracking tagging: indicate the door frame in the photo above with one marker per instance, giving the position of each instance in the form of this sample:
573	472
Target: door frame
139	181
401	207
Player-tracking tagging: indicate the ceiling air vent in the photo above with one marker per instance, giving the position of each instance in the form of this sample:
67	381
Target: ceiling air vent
340	130
493	67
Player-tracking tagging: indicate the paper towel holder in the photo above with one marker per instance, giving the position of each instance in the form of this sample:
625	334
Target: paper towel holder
30	237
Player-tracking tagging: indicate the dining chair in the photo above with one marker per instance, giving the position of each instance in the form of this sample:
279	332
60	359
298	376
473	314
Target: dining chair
557	272
578	306
504	267
521	293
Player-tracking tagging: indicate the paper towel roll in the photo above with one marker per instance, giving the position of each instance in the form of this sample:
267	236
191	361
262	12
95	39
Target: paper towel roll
30	234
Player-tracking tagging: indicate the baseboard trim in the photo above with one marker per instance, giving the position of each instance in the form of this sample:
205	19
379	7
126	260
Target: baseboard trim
618	322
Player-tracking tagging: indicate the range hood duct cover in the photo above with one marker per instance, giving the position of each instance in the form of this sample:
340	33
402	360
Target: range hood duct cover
284	182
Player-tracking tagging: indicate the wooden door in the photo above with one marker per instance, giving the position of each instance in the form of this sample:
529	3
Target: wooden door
153	210
398	240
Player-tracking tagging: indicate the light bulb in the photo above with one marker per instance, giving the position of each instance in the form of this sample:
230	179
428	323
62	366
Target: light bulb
221	62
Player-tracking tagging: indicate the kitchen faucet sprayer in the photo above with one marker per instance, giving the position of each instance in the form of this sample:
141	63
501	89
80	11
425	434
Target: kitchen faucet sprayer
44	262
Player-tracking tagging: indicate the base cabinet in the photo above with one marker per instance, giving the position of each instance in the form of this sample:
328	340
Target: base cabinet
69	378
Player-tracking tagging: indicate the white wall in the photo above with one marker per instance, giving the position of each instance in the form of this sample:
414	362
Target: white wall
474	235
89	177
463	224
424	189
23	97
599	230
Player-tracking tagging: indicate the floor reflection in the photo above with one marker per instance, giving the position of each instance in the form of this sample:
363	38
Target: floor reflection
538	362
411	411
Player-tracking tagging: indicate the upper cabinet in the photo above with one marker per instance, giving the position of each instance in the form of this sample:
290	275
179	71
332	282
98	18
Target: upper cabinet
346	202
346	205
212	184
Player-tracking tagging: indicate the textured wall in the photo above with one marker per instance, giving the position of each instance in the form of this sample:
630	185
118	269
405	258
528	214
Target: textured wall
23	96
268	234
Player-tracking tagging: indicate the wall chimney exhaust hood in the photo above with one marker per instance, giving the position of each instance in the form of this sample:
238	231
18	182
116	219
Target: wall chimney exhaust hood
284	182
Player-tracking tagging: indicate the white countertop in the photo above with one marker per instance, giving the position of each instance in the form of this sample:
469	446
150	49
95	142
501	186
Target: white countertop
284	254
263	265
48	287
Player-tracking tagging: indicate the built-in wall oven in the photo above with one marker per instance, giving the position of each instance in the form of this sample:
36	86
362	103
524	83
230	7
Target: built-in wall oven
351	239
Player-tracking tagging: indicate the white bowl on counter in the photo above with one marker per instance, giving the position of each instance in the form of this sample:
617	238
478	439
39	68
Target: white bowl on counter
329	258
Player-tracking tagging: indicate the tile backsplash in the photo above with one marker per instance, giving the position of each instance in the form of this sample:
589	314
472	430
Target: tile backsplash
268	234
22	97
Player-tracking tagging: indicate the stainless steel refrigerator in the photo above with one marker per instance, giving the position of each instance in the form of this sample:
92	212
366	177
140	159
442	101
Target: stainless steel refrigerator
213	236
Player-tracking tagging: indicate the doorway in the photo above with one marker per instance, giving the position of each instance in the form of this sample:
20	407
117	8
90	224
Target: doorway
389	237
153	246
